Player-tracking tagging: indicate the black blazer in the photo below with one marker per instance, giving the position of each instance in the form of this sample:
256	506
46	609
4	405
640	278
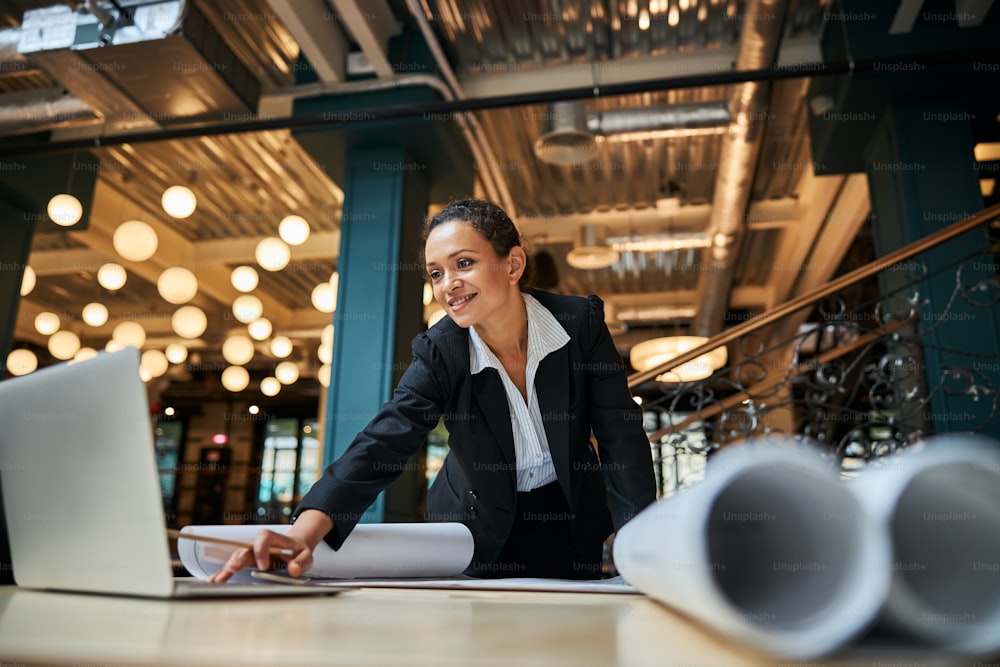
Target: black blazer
581	389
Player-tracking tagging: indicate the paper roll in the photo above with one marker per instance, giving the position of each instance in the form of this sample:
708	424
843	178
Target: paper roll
940	504
371	551
770	548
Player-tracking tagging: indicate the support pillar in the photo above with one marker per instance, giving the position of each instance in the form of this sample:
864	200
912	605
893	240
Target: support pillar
379	305
922	177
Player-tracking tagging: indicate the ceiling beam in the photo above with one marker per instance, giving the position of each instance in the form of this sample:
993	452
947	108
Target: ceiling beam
371	26
319	37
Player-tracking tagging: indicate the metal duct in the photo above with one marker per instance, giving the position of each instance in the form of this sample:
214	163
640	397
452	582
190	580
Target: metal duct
758	49
32	110
571	134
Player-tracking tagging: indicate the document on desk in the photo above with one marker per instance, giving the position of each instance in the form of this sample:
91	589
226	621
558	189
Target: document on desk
612	585
372	551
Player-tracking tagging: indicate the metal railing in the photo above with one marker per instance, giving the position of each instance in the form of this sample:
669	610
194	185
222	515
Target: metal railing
853	378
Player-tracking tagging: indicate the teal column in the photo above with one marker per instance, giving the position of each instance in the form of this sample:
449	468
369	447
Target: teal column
379	304
922	178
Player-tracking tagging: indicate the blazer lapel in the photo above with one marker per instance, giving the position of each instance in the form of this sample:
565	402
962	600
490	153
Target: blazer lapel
552	388
487	391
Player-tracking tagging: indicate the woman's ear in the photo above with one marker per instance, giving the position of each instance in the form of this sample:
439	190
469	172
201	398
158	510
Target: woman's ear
517	261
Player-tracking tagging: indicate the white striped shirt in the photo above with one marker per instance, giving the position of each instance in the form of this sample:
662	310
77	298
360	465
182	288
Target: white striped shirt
531	447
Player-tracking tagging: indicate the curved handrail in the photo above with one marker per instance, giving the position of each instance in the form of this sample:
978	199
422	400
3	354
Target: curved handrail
814	295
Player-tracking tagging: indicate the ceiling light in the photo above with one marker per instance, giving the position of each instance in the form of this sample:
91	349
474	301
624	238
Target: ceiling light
176	353
154	363
113	346
287	372
179	201
260	328
244	278
281	346
84	353
272	254
112	276
323	298
27	280
177	285
428	294
323	375
235	378
46	323
592	257
657	351
237	350
129	333
987	151
293	230
566	140
64	345
325	353
189	321
135	240
65	210
247	308
95	314
270	386
21	362
326	338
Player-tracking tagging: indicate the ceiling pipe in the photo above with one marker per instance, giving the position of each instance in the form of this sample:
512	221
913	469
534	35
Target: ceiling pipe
758	49
490	166
32	110
941	62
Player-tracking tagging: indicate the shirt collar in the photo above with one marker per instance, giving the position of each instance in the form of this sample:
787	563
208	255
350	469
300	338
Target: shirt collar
545	335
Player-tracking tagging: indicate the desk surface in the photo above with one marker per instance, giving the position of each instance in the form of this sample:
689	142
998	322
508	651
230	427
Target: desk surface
373	627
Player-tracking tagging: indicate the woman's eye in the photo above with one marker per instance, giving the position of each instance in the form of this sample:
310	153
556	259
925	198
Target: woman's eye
435	275
464	263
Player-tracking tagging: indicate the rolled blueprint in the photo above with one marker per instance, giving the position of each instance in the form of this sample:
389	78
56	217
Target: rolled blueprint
940	505
770	548
371	550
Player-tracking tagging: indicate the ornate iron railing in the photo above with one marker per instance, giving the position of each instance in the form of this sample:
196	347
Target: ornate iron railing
846	372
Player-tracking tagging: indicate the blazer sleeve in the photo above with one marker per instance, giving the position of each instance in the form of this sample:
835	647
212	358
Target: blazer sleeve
623	448
379	453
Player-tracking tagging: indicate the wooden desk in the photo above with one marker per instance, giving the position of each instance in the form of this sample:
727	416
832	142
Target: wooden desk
373	627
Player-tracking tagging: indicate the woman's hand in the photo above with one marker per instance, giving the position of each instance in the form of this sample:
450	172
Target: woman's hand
300	540
297	562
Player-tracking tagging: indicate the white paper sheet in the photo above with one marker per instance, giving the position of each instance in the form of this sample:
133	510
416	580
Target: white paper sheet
612	585
774	549
370	551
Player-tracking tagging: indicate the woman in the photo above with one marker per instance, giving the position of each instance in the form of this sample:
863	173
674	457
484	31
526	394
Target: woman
521	379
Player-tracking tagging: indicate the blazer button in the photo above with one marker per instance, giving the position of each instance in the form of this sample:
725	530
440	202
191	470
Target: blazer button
475	496
472	512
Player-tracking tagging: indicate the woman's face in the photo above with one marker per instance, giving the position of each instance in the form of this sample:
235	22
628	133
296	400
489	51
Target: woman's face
470	282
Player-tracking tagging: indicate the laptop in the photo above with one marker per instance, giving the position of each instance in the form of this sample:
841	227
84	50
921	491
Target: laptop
80	486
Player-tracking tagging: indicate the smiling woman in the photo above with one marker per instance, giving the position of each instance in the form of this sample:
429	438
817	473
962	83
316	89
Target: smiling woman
521	379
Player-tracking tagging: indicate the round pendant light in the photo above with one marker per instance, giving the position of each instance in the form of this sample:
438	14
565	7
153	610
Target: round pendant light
112	276
179	201
65	210
189	321
135	240
235	378
177	285
244	278
95	314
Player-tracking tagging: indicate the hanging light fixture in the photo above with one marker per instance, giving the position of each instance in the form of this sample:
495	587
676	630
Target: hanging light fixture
95	314
135	240
63	345
47	323
270	386
326	338
176	353
260	328
657	351
325	353
189	321
64	210
235	378
323	375
281	346
237	350
113	346
177	285
247	308
129	333
324	299
287	372
179	201
272	254
84	353
293	230
21	361
27	281
112	276
244	278
154	362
